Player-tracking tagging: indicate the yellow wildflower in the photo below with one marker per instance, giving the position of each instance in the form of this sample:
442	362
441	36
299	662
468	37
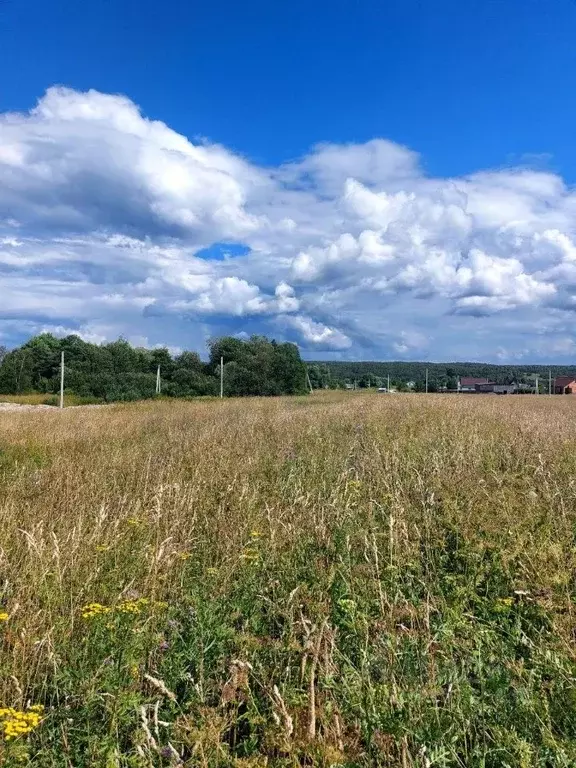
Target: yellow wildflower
502	604
250	555
15	722
185	555
133	521
4	616
212	571
255	534
132	606
102	548
94	609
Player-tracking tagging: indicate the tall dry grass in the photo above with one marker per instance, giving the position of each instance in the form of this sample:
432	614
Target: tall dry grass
334	580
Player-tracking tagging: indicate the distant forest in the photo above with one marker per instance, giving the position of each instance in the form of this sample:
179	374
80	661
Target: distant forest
119	371
403	375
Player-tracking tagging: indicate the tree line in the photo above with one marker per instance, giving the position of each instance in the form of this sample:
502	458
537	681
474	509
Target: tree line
256	366
412	375
119	371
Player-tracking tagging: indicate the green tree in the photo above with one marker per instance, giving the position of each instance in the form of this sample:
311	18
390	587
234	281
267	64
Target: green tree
16	372
118	371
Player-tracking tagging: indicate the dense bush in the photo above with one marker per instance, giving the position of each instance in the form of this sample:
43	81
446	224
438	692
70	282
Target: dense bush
118	371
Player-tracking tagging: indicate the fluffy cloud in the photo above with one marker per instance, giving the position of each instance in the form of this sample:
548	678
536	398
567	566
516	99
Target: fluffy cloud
106	218
318	334
84	160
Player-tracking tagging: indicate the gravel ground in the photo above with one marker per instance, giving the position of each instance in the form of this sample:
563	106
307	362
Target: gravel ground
19	407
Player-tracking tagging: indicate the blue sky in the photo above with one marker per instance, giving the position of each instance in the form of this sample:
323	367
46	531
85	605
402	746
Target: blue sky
369	180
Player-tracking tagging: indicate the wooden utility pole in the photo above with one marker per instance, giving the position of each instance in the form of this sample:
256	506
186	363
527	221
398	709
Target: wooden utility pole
309	382
158	383
221	377
549	381
62	381
388	386
426	380
536	388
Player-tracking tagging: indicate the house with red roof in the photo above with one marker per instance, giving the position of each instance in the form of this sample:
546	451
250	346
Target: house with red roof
565	385
471	384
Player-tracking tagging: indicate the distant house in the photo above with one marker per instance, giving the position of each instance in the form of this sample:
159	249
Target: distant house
471	384
484	386
505	389
497	389
565	385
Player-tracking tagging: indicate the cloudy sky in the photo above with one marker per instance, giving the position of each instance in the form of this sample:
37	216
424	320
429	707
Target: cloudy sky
345	238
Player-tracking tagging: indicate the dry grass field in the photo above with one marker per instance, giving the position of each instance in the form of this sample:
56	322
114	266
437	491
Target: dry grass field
337	580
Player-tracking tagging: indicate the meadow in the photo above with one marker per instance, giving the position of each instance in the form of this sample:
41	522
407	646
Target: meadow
334	580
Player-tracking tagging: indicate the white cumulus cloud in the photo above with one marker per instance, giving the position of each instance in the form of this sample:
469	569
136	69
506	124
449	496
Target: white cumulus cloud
106	218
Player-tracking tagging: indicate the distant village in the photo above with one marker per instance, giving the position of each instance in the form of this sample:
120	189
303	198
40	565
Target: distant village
560	385
471	385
